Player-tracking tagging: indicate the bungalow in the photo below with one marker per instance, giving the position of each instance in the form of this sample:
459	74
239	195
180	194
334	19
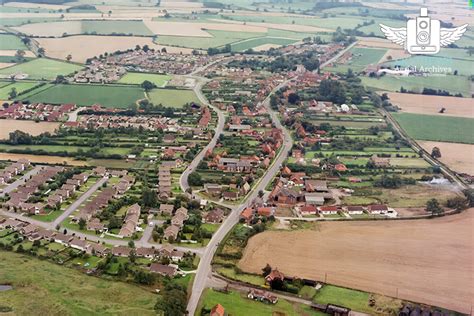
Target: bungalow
28	229
354	210
95	225
308	209
97	249
146	252
121	251
164	270
12	223
214	216
62	239
274	275
131	221
100	171
171	232
166	209
230	195
328	210
213	189
78	244
377	209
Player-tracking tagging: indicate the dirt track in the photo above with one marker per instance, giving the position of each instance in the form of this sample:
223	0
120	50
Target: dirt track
429	261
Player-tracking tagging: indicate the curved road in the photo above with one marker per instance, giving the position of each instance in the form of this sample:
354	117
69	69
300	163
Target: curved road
204	269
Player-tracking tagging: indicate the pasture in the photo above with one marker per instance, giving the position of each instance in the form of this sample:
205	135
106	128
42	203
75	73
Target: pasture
41	287
115	27
462	66
172	97
41	68
8	41
409	259
86	95
19	87
436	128
138	78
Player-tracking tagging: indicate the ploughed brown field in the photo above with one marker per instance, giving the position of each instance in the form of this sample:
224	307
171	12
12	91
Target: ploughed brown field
458	157
427	261
431	104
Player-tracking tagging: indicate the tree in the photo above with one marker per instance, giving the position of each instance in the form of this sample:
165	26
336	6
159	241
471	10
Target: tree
69	57
12	94
41	52
457	203
293	98
155	236
148	85
26	40
149	198
469	194
131	244
173	300
82	223
266	270
436	152
195	179
433	207
20	54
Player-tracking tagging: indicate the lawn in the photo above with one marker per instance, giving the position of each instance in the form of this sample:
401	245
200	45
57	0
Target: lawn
19	87
115	27
138	78
453	84
172	97
42	68
437	128
108	96
8	41
236	303
44	288
356	300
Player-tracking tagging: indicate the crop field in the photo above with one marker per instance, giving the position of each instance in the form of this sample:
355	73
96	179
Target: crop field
19	87
458	157
138	78
361	58
8	41
236	303
437	128
17	21
111	27
56	28
219	38
96	45
411	258
255	42
41	287
453	84
429	104
172	97
108	96
29	127
42	68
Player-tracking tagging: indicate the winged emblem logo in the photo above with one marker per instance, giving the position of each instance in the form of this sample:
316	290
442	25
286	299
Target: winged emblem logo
423	35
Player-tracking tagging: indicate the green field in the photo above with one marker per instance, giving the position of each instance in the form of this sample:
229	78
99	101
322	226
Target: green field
361	58
8	41
236	303
254	42
115	27
108	96
463	66
172	97
437	128
44	288
453	84
21	21
41	68
19	86
138	78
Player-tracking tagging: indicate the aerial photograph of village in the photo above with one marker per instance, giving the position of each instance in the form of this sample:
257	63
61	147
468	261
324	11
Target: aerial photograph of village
237	157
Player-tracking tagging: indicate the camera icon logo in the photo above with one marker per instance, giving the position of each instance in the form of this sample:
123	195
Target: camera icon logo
422	35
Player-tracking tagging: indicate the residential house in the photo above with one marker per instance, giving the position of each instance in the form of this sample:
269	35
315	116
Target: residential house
162	269
274	275
328	210
218	310
214	216
354	210
377	209
149	253
121	251
166	209
247	215
213	189
131	221
171	232
262	296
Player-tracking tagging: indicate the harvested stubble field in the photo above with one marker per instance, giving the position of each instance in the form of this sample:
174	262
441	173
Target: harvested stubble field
32	128
96	45
431	104
428	261
459	157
